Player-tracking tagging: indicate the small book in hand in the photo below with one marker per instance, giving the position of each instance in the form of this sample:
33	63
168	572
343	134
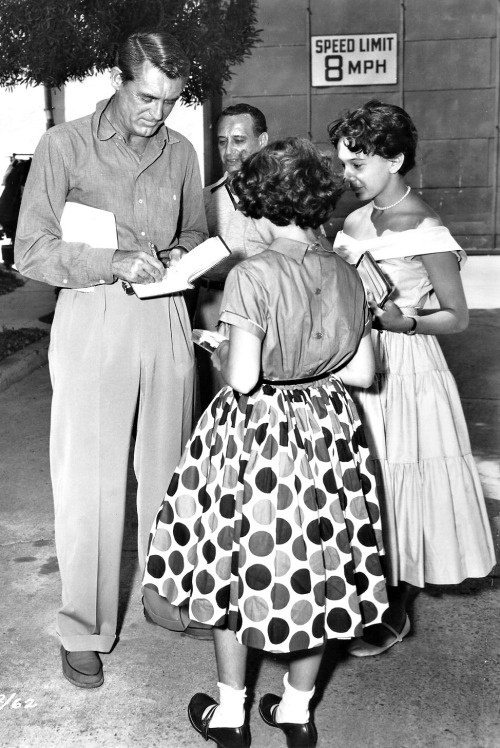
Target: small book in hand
373	279
207	339
180	277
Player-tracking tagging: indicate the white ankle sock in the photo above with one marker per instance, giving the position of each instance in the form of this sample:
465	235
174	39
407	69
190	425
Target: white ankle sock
231	709
294	705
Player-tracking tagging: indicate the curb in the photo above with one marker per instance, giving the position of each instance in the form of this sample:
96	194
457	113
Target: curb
23	362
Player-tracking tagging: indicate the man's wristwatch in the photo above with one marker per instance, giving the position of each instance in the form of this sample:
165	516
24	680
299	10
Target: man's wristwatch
413	328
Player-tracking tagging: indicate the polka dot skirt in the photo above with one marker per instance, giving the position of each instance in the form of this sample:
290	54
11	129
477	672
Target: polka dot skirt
271	523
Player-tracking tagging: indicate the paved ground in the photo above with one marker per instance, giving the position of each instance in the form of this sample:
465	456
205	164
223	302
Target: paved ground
439	689
30	305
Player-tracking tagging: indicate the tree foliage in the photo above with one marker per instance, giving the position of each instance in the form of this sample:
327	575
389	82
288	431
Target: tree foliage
49	42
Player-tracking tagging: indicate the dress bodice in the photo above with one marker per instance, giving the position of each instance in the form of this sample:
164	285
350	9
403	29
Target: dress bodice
399	257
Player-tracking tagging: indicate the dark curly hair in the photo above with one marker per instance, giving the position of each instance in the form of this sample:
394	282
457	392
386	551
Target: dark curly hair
378	129
288	181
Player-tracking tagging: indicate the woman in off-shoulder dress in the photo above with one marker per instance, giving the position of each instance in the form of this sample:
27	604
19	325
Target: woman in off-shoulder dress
435	523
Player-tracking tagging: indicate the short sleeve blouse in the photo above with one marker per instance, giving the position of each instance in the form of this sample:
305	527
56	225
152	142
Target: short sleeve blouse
304	302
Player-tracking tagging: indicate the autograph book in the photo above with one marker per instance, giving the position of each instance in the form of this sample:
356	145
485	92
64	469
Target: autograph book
373	279
190	266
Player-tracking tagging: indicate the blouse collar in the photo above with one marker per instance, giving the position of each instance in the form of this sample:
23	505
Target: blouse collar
297	250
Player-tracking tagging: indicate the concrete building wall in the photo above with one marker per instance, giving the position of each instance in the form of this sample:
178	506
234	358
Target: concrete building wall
448	76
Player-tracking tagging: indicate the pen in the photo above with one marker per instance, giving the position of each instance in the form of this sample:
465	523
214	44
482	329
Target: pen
127	288
125	284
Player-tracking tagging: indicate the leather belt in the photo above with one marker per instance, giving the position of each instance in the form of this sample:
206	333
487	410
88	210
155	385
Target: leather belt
303	380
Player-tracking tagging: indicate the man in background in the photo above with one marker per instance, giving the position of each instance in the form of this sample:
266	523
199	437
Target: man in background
113	357
241	131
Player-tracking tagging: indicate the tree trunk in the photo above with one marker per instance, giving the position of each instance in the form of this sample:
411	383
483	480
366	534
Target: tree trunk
49	108
212	167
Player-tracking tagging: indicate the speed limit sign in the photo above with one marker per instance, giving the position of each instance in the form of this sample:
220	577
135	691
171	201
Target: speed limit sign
356	60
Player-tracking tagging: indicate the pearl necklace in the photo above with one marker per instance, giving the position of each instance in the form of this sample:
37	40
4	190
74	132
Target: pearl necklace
387	207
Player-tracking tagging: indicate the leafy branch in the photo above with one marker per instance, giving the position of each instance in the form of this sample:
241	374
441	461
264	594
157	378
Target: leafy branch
51	42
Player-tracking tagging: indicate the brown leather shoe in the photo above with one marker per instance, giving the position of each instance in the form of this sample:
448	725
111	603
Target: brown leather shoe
85	669
158	610
297	735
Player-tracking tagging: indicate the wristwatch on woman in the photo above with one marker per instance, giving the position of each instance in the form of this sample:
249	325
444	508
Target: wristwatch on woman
413	328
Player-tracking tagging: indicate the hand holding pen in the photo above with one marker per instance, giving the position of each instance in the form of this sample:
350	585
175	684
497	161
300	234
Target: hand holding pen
168	257
137	266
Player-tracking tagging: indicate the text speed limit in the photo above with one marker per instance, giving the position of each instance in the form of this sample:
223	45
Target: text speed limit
356	60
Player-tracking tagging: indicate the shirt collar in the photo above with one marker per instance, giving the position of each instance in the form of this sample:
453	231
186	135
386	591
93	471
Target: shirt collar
104	130
221	183
295	249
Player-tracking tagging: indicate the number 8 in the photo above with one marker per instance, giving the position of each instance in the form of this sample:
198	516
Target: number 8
332	68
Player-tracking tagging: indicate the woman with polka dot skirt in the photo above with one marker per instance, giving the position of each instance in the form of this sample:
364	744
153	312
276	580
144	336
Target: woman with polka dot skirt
270	529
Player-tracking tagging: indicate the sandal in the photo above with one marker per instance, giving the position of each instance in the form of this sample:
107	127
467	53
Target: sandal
361	648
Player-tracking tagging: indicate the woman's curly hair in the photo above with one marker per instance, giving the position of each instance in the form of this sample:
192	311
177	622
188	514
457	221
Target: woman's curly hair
288	181
378	129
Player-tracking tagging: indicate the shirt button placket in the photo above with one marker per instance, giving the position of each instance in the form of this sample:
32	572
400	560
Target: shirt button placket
141	211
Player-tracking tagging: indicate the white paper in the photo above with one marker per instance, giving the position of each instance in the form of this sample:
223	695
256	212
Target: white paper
207	339
82	223
191	266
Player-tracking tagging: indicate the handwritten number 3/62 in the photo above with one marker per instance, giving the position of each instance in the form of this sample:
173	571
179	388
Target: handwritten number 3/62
14	703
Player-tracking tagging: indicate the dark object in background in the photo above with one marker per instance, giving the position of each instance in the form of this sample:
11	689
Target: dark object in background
10	201
8	255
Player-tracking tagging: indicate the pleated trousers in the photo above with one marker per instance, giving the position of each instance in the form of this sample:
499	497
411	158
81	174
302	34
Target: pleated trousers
111	356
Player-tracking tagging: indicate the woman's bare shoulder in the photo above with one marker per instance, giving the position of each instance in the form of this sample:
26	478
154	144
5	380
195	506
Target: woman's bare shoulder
356	218
416	214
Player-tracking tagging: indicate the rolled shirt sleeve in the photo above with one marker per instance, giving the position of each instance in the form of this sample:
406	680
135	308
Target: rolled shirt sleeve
242	303
304	302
